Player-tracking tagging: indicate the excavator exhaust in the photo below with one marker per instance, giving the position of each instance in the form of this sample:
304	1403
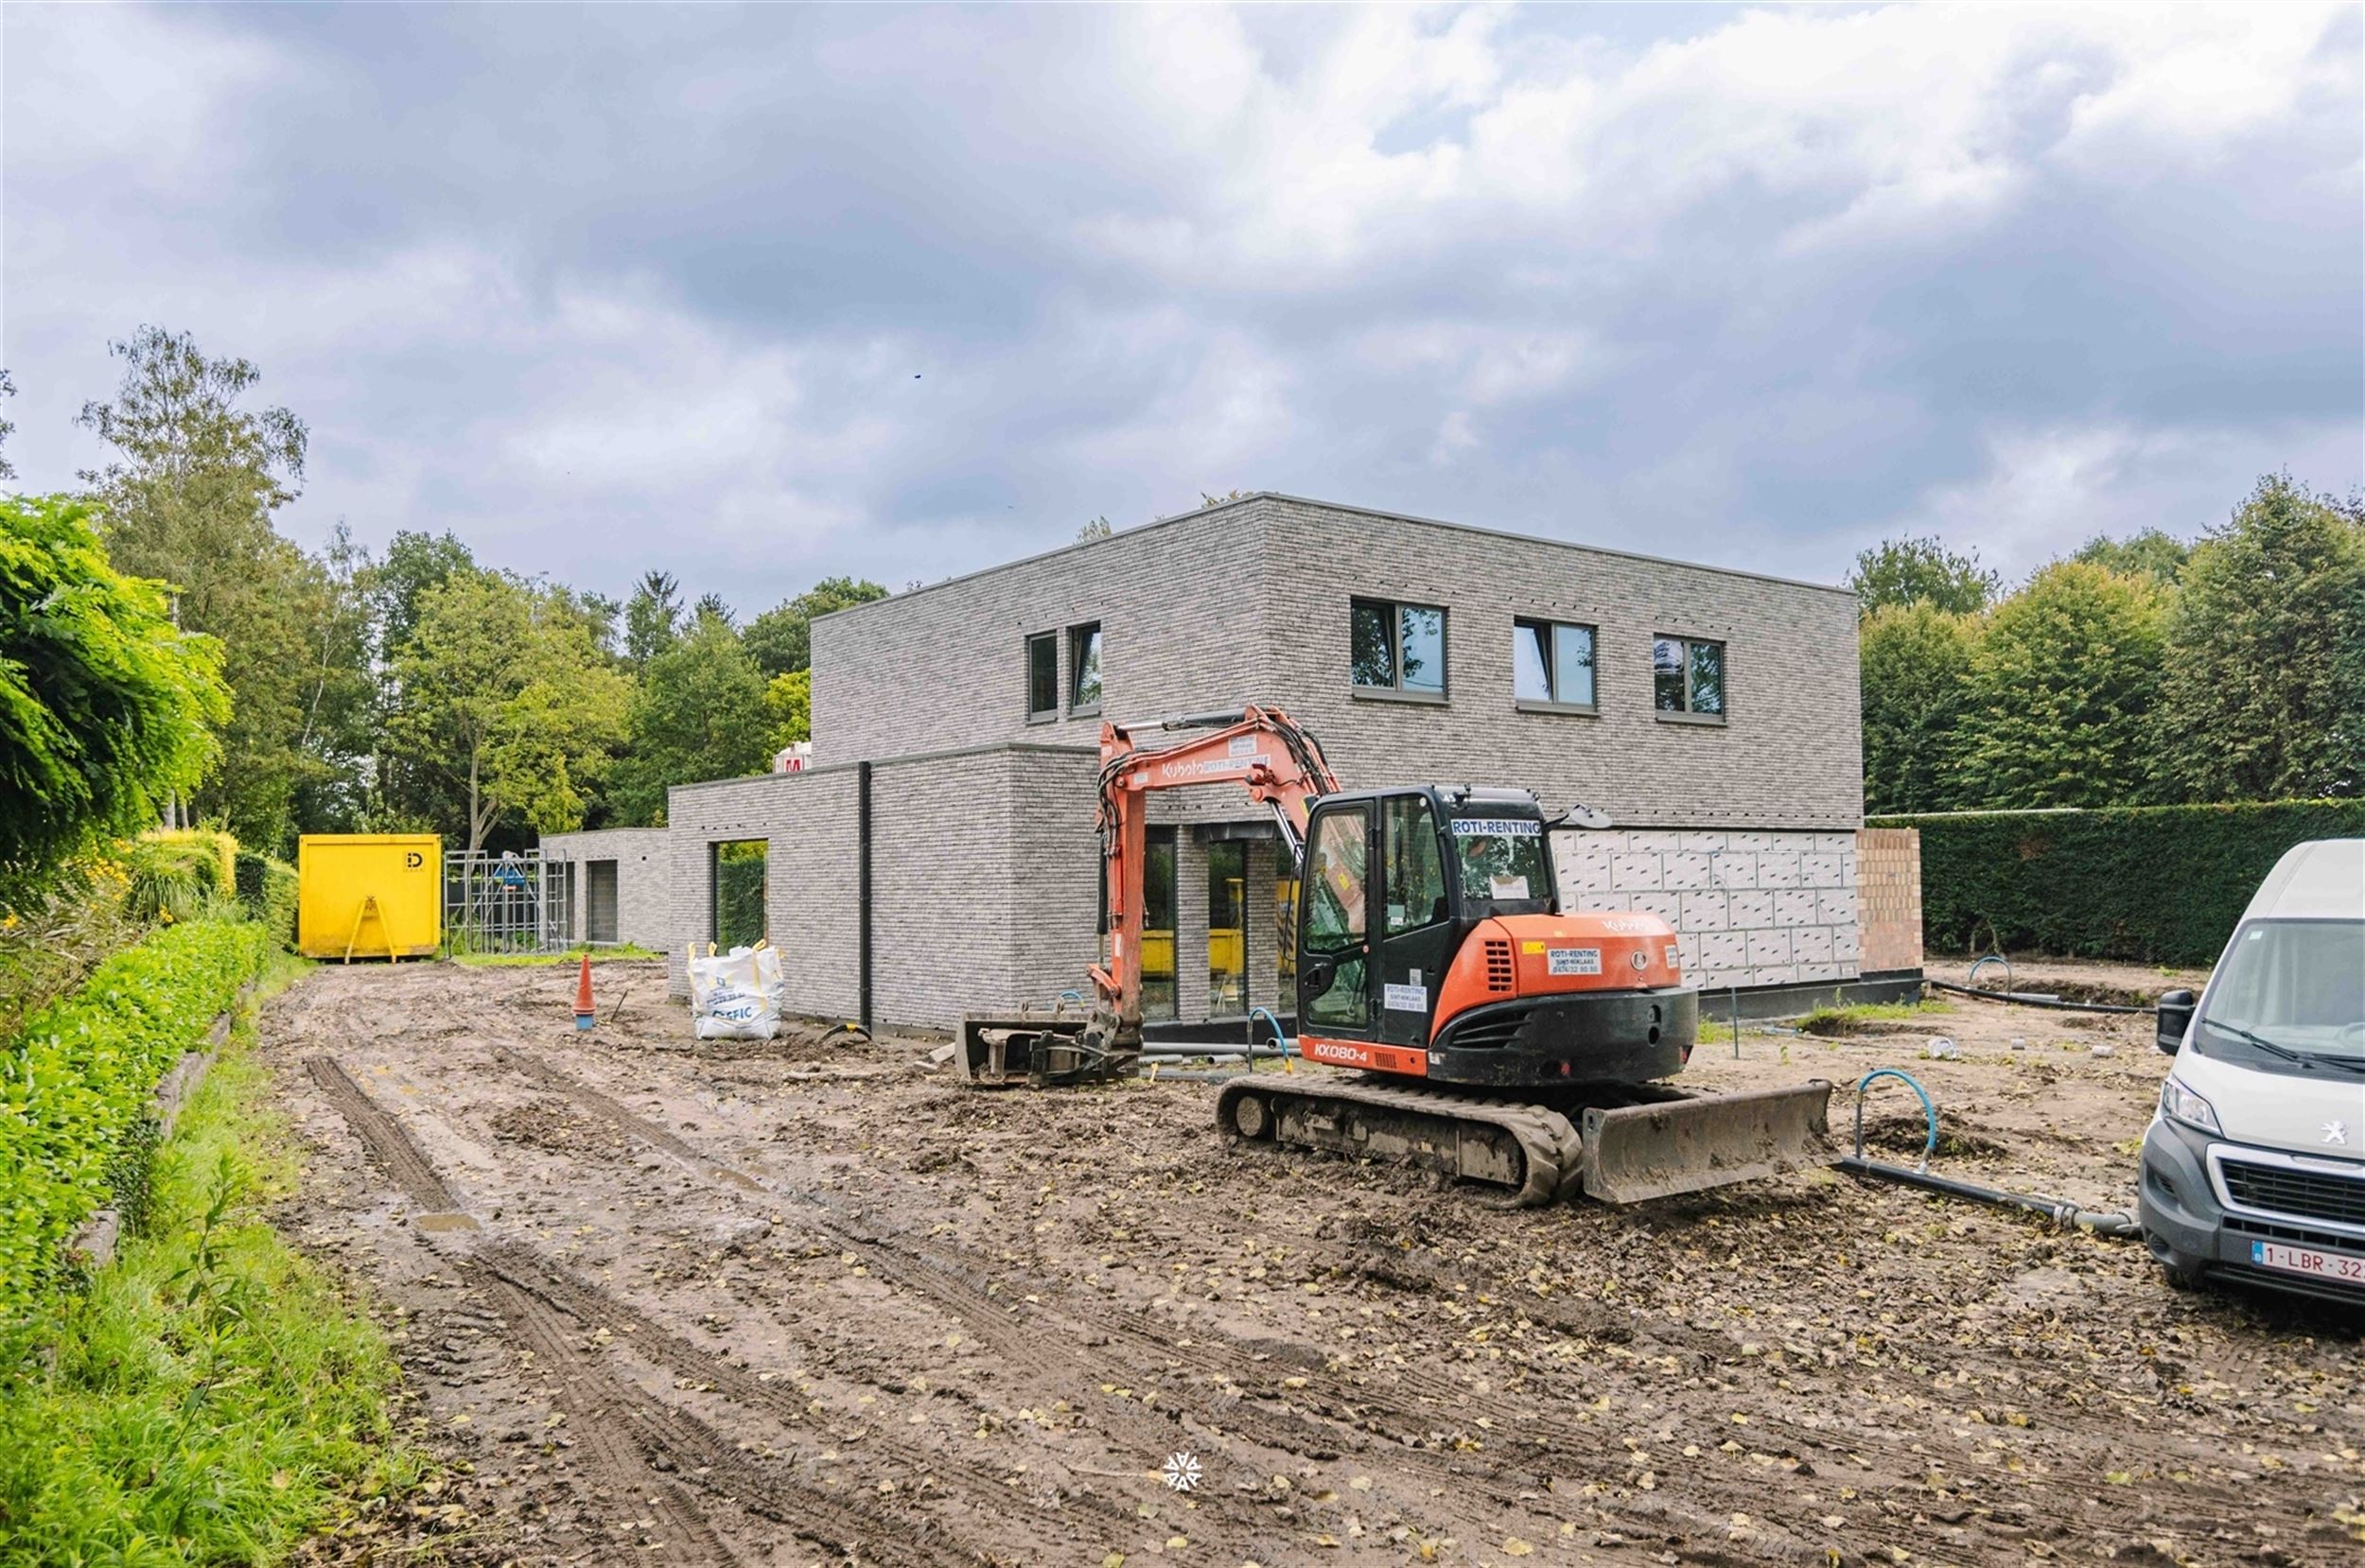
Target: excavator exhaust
1690	1143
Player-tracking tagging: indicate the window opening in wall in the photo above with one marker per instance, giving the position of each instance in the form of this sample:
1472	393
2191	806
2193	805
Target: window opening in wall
1227	929
738	894
1395	647
1688	676
1158	993
1551	661
1042	676
1083	681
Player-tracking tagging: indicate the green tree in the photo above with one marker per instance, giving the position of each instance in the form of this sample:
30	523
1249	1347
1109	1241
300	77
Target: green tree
105	705
1915	673
189	500
2152	553
780	640
699	713
788	708
2265	684
1922	571
506	696
652	618
2063	683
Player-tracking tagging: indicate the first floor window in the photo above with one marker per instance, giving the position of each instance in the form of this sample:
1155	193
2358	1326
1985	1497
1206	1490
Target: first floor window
1395	647
1551	661
1042	676
1083	678
1688	676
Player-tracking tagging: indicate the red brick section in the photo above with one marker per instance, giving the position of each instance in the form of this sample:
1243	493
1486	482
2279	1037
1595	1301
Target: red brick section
1889	897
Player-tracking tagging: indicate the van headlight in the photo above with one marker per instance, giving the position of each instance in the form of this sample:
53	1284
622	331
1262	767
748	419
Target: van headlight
2179	1103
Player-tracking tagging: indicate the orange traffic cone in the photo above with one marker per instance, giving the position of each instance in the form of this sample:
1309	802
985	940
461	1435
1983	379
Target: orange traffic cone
584	1016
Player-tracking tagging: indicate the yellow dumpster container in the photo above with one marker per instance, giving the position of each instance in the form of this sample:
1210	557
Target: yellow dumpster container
369	895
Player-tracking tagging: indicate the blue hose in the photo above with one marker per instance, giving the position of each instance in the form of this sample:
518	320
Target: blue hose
1929	1112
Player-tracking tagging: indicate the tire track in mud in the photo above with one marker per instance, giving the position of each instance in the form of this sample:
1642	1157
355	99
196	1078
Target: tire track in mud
624	1431
557	1287
633	1434
389	1143
1024	1336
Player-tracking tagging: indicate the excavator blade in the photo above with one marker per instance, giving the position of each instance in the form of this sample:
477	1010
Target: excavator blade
1041	1052
1635	1153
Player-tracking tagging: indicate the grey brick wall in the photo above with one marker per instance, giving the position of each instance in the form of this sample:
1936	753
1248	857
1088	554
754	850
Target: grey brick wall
982	863
644	867
1248	602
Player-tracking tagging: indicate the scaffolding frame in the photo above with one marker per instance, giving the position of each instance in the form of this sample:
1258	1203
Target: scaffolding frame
513	902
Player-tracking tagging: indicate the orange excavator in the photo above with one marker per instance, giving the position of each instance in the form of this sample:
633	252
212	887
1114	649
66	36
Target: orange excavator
1494	1039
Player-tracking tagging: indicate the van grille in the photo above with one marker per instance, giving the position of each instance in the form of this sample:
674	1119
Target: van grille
2278	1190
1499	966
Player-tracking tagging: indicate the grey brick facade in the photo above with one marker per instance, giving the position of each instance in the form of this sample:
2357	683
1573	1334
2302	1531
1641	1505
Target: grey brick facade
641	856
1740	832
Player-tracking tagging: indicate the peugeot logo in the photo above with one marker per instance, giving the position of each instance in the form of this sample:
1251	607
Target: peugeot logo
2335	1132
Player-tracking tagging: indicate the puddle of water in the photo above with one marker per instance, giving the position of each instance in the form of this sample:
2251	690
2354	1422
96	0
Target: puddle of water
446	1220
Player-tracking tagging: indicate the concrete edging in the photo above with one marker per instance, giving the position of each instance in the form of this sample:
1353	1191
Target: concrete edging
94	1245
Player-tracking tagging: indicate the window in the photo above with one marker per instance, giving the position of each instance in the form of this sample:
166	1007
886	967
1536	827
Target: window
1502	863
1083	668
1158	993
1551	661
1398	647
1688	676
1227	929
1417	873
1042	676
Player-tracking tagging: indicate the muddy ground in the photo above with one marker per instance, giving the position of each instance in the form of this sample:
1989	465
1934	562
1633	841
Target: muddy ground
807	1302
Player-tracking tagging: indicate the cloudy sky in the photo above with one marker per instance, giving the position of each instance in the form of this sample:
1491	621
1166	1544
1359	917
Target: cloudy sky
762	295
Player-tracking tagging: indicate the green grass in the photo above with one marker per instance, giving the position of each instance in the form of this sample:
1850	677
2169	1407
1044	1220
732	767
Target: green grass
1850	1020
211	1398
525	960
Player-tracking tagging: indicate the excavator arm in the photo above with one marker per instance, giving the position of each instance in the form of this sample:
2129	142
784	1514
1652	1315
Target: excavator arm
1261	750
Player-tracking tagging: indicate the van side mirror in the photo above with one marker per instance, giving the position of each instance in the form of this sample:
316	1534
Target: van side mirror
2175	1016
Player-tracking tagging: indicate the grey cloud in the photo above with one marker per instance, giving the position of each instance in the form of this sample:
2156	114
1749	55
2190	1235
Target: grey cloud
612	288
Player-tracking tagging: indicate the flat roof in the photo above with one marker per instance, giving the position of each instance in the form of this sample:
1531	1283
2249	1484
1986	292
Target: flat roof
1229	502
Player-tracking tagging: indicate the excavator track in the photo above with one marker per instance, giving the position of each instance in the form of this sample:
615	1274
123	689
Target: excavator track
1647	1142
1529	1154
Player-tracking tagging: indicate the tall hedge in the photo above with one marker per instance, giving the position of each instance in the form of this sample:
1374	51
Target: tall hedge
2153	883
77	1087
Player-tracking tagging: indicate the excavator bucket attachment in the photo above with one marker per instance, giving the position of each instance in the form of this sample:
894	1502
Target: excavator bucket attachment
1635	1153
1041	1052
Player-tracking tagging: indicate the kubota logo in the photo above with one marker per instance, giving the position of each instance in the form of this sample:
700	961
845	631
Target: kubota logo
1624	924
1208	767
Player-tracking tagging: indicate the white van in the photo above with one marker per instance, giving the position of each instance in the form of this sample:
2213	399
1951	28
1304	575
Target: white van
2254	1167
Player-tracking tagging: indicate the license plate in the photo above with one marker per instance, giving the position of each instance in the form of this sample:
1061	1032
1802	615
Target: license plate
2306	1259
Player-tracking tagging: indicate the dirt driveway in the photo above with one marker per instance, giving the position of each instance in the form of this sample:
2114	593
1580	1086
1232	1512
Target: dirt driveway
804	1302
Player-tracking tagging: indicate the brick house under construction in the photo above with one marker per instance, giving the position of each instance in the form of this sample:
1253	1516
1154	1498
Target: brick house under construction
938	856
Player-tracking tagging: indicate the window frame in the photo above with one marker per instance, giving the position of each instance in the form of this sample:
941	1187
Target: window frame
1685	643
1397	691
1076	634
1043	715
1551	644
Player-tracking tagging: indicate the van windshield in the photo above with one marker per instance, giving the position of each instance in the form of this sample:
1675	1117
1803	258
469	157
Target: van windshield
2298	986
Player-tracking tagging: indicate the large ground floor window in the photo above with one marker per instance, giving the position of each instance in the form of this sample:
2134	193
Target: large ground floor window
1227	929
